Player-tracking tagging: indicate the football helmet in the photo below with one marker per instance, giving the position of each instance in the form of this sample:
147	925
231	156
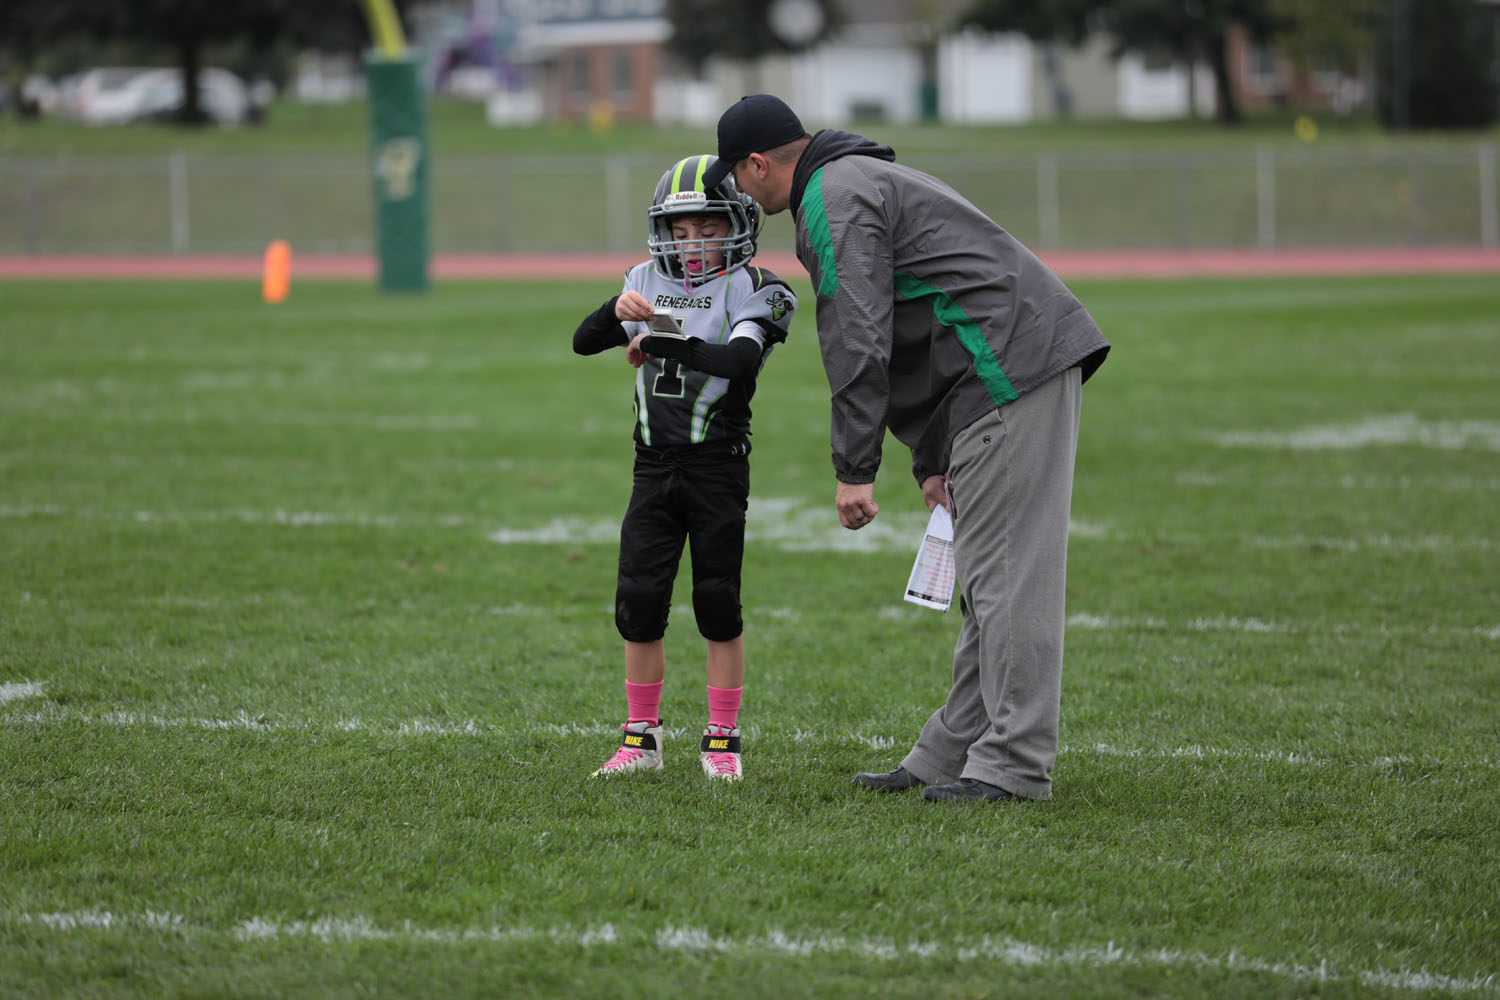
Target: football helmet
680	192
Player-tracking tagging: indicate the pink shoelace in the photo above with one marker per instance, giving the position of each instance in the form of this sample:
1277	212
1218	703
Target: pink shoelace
722	763
622	757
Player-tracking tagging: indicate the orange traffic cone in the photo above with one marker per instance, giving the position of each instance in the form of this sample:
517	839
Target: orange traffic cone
276	281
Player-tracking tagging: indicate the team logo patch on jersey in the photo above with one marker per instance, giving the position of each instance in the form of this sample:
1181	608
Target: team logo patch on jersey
780	303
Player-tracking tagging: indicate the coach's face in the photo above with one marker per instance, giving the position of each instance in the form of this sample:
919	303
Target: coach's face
760	179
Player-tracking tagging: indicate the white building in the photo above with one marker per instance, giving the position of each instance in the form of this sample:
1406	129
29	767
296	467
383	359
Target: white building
894	60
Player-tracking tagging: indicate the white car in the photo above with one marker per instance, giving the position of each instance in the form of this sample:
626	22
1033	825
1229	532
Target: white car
106	95
222	96
114	95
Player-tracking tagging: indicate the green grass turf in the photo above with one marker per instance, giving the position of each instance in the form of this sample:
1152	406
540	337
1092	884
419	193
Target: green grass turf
306	652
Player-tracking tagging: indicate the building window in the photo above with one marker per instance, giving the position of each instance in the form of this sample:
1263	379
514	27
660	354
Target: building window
622	73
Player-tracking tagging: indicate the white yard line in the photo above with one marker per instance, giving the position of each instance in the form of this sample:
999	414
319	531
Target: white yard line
16	690
190	416
1376	483
1230	623
789	525
287	518
775	943
1393	429
433	728
1392	543
784	524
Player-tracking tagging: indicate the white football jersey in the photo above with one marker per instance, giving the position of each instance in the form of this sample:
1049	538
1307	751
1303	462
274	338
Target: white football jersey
675	405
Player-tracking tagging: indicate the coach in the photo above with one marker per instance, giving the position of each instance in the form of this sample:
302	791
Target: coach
939	325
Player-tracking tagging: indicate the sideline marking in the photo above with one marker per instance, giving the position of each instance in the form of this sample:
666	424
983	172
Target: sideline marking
776	942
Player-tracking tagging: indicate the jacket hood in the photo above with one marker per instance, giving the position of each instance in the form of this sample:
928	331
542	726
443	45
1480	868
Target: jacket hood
831	144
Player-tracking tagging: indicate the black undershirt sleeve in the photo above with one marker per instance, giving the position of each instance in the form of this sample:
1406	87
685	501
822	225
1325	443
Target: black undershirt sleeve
600	330
736	359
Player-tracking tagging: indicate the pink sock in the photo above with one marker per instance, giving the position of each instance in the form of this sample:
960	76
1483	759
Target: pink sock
644	701
724	706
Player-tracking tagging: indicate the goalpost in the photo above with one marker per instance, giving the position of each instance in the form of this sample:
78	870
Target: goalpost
398	149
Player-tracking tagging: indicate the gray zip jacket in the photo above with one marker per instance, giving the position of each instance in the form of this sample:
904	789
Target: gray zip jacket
929	314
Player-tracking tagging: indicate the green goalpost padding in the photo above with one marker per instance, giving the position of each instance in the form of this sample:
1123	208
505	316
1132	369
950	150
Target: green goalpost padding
398	150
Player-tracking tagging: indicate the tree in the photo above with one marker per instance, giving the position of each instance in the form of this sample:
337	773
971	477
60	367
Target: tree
745	31
1342	33
181	27
29	27
1192	30
1447	47
1042	20
186	26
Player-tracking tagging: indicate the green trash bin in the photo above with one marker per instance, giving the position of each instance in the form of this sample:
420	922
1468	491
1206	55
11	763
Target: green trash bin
398	150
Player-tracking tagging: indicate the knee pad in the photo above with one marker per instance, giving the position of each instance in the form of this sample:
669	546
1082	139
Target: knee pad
717	608
641	613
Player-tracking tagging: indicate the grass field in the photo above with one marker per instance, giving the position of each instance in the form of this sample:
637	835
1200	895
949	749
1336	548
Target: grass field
306	652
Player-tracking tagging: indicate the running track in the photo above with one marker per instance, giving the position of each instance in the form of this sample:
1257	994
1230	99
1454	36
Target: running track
1067	263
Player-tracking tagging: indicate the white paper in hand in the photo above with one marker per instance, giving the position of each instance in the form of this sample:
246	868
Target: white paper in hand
931	582
664	324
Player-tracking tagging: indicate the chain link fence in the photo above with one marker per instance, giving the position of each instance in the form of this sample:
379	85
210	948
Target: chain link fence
1431	195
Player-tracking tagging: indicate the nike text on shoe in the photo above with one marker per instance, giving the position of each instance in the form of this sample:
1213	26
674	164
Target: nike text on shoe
640	750
967	790
898	780
720	753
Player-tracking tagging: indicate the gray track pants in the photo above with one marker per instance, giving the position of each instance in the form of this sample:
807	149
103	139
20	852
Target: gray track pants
1012	473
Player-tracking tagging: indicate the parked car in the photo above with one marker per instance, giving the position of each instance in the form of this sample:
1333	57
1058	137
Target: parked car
114	95
222	96
105	95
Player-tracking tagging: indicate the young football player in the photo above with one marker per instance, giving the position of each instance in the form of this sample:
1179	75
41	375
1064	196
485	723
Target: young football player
698	322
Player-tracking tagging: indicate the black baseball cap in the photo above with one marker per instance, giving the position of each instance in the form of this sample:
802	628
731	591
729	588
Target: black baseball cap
753	124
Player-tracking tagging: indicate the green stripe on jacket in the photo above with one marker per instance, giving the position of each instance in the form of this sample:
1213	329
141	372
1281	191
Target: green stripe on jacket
948	313
815	217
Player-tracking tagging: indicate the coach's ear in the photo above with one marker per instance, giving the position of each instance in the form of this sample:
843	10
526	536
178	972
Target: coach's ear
758	165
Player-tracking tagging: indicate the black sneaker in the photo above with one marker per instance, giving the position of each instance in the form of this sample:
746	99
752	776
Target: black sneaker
967	790
898	780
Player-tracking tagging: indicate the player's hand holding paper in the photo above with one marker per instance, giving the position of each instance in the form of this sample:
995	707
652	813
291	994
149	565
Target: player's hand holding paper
931	582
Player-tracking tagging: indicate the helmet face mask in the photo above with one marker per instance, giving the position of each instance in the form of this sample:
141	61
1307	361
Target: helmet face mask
680	192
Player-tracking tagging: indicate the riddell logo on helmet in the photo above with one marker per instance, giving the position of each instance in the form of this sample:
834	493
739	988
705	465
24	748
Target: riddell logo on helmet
685	200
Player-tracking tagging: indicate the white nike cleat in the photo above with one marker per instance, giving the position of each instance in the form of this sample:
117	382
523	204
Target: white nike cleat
720	753
640	750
